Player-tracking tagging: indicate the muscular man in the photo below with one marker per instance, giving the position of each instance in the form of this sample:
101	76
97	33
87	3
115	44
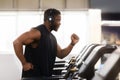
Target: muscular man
41	47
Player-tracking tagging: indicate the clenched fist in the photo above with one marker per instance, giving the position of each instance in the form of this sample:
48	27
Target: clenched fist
27	66
74	39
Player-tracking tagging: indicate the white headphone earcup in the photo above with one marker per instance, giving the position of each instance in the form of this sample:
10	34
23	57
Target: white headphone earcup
50	19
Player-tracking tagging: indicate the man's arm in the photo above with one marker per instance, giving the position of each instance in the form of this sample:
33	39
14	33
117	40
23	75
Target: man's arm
61	53
25	39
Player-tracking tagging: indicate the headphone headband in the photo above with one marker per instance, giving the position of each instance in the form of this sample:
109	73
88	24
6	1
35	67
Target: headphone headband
51	19
51	16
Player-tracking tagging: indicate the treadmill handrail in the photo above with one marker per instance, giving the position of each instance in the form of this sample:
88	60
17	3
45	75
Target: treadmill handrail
110	69
94	57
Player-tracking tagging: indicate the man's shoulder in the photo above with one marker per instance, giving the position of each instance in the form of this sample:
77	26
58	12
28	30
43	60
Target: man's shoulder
39	27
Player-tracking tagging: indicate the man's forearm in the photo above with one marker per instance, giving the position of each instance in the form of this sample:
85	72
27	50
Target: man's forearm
18	47
67	50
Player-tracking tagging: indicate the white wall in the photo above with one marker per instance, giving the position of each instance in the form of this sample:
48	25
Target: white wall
10	67
94	28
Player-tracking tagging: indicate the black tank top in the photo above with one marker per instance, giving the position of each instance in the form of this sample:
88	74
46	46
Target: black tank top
42	57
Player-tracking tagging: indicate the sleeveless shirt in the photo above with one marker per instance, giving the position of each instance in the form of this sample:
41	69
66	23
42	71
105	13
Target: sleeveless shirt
43	56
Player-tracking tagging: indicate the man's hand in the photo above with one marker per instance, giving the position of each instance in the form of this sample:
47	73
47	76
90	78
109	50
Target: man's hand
74	39
27	66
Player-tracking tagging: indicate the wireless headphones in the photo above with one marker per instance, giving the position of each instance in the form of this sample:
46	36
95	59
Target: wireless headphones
51	16
51	19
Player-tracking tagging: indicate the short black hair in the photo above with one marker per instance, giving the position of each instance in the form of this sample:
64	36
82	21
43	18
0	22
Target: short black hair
51	12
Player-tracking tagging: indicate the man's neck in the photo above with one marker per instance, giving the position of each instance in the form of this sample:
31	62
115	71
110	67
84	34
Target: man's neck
47	26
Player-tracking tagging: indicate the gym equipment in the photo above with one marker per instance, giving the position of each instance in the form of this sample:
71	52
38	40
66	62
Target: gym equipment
78	61
110	69
87	68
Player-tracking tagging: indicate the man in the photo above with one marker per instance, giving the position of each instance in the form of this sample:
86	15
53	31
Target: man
41	47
